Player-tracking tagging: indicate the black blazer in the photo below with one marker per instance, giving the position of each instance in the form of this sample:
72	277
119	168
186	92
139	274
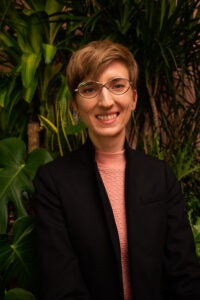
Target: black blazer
78	244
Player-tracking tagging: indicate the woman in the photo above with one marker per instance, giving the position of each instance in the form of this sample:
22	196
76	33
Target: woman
110	220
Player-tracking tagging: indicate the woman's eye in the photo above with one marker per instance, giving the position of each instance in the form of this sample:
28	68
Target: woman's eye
117	86
88	90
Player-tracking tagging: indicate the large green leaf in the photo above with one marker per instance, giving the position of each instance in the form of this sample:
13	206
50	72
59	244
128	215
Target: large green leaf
52	8
17	169
30	62
36	5
28	93
49	52
19	294
17	254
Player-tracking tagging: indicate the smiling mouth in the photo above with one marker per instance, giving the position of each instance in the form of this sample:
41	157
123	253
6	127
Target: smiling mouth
107	117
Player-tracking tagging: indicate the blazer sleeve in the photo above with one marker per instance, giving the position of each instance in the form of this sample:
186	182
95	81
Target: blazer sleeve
181	262
60	275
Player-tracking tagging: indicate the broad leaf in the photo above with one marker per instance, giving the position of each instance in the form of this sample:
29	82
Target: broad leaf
17	254
17	171
19	294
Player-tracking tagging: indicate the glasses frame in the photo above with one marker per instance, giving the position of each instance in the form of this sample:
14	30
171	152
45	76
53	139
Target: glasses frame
101	85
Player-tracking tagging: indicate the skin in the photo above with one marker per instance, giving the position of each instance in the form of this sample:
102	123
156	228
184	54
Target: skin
107	115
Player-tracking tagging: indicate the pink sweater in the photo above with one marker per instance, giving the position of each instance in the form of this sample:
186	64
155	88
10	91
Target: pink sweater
112	169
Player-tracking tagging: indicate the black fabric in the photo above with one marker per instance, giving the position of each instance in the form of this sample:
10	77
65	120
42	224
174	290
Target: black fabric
78	245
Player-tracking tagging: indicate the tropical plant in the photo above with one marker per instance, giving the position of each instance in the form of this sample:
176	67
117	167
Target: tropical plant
19	294
18	264
17	170
164	38
17	254
34	46
196	232
35	43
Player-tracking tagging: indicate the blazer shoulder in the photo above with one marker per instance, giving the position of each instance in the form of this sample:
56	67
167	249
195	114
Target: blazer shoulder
143	158
69	163
146	164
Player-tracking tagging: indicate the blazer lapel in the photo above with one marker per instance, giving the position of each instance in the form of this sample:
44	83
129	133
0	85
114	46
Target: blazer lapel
132	198
110	221
88	155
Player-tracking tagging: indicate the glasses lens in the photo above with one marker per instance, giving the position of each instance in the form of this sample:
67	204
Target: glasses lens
88	89
91	89
118	86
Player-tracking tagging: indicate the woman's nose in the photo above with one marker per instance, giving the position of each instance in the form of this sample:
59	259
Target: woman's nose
105	98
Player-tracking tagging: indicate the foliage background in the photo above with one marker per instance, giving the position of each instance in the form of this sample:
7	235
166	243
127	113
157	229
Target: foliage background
36	41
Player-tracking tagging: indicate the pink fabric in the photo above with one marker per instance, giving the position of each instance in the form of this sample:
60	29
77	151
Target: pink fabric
112	169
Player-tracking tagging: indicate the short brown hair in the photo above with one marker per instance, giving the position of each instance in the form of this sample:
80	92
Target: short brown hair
92	58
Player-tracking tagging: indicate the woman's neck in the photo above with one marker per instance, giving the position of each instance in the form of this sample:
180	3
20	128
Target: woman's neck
108	144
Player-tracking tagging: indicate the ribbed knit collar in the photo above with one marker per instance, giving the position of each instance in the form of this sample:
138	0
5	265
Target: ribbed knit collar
113	160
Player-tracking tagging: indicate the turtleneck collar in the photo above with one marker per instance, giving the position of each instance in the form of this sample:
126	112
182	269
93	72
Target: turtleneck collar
113	160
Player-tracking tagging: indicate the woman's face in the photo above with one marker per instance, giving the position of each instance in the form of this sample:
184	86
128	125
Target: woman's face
106	115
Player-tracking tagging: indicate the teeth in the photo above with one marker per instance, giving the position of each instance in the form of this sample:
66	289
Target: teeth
106	117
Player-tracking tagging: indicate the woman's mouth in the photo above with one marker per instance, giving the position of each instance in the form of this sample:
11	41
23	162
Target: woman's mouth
107	117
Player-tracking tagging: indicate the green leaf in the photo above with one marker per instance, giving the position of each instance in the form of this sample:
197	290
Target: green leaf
3	95
17	172
51	8
49	52
36	158
28	93
34	33
17	253
21	28
162	12
6	40
37	5
30	62
19	294
48	124
63	94
73	129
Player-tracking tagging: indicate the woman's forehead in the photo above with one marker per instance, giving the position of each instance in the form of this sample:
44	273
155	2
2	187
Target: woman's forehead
95	74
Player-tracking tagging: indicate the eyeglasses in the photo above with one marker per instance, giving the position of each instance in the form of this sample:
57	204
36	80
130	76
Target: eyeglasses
90	89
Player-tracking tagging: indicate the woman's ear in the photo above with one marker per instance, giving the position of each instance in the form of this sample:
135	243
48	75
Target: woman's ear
134	102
